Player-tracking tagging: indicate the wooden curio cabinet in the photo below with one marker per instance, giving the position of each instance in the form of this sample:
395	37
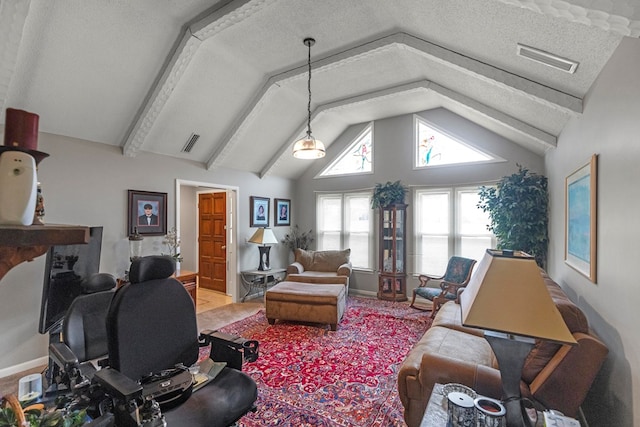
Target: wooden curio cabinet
392	281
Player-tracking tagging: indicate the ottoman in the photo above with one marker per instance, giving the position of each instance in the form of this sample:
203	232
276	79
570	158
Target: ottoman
306	302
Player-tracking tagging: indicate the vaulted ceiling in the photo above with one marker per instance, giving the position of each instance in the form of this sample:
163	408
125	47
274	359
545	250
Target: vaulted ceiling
146	75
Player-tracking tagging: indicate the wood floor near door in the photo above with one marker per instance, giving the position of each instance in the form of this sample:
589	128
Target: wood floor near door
214	310
208	299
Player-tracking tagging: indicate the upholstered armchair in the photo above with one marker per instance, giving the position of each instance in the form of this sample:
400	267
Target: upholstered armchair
452	283
323	267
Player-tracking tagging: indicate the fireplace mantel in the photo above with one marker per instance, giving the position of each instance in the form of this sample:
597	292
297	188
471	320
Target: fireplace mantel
24	243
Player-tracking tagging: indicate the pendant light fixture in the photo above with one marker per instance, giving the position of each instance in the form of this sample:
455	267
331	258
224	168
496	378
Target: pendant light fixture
308	147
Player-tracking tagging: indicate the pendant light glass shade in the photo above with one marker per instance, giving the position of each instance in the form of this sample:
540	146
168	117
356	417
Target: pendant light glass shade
308	147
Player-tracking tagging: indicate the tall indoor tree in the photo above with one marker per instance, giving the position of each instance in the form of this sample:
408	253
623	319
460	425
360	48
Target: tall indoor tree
518	209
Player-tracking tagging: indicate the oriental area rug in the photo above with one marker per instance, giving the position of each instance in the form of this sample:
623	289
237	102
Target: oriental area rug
308	375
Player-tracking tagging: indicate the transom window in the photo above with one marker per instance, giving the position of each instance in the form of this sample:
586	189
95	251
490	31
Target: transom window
357	158
434	148
448	222
344	220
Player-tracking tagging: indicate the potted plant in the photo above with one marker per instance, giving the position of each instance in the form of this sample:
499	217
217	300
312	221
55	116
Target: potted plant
387	194
298	239
518	209
12	414
172	240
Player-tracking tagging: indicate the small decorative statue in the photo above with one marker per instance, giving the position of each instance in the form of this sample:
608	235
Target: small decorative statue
38	218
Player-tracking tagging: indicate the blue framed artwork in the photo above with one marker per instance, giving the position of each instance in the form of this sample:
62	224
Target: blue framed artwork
580	219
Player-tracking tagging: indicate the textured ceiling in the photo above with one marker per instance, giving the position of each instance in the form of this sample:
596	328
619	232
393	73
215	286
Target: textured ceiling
146	74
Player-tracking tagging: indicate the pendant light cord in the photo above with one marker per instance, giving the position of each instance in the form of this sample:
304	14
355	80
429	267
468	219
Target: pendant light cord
309	89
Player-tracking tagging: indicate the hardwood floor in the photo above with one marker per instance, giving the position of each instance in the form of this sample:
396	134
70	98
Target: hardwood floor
214	310
208	299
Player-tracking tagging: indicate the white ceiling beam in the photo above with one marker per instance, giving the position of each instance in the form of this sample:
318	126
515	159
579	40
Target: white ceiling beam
493	75
211	22
575	11
536	135
228	12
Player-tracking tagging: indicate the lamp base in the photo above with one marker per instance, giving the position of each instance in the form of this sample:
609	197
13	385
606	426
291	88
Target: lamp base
265	265
511	352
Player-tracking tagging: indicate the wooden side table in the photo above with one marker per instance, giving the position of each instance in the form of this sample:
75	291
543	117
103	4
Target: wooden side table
189	280
261	279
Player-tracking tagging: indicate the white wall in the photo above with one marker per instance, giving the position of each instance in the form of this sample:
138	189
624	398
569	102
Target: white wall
86	183
393	160
610	128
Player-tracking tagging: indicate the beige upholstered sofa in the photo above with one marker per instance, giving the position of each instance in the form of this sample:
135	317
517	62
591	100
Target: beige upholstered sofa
554	376
321	267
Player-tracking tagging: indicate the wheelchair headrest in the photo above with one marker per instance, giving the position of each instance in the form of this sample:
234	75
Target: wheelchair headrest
151	267
98	282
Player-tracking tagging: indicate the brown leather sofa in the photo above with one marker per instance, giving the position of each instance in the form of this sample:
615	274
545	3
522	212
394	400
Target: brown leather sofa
554	376
320	267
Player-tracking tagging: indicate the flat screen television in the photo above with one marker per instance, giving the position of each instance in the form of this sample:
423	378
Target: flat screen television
65	268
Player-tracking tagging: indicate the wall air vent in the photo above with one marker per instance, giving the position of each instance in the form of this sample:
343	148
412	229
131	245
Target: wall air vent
546	58
190	143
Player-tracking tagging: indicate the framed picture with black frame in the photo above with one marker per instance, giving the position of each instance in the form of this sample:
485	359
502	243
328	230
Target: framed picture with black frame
259	207
281	212
147	211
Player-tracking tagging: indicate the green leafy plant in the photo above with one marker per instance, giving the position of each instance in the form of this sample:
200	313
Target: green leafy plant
44	418
518	209
388	194
298	239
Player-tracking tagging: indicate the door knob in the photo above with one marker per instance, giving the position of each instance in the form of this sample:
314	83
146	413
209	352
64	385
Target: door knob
223	247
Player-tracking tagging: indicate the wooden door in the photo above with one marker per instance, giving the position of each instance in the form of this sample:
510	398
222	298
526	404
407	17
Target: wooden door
212	241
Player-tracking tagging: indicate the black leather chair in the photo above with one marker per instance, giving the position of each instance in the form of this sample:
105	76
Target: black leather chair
84	330
151	328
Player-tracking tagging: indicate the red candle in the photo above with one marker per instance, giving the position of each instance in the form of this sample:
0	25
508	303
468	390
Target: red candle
21	129
489	406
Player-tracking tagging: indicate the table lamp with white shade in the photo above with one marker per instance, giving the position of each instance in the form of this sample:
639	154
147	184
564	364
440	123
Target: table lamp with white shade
264	236
507	297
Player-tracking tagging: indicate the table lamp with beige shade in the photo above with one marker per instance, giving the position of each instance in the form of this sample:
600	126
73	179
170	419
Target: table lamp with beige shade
507	297
264	236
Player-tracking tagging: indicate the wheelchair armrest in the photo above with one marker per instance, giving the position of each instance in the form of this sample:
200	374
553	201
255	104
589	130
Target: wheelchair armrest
232	349
118	384
62	356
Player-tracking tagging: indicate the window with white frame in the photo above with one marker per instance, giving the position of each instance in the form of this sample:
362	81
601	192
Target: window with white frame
345	220
357	158
448	222
435	148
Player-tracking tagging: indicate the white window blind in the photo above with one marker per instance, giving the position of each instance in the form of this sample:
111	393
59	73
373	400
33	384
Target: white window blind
344	220
448	222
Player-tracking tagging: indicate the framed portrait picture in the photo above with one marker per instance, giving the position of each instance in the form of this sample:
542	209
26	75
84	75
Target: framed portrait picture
580	219
259	211
147	212
281	212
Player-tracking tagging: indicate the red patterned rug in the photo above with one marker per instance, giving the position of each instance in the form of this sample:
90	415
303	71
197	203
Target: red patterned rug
308	375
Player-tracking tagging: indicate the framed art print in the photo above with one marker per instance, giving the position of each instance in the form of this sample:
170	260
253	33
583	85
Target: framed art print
281	212
581	219
147	211
259	207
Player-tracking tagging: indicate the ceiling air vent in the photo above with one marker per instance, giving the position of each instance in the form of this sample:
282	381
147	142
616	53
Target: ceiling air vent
190	143
546	58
